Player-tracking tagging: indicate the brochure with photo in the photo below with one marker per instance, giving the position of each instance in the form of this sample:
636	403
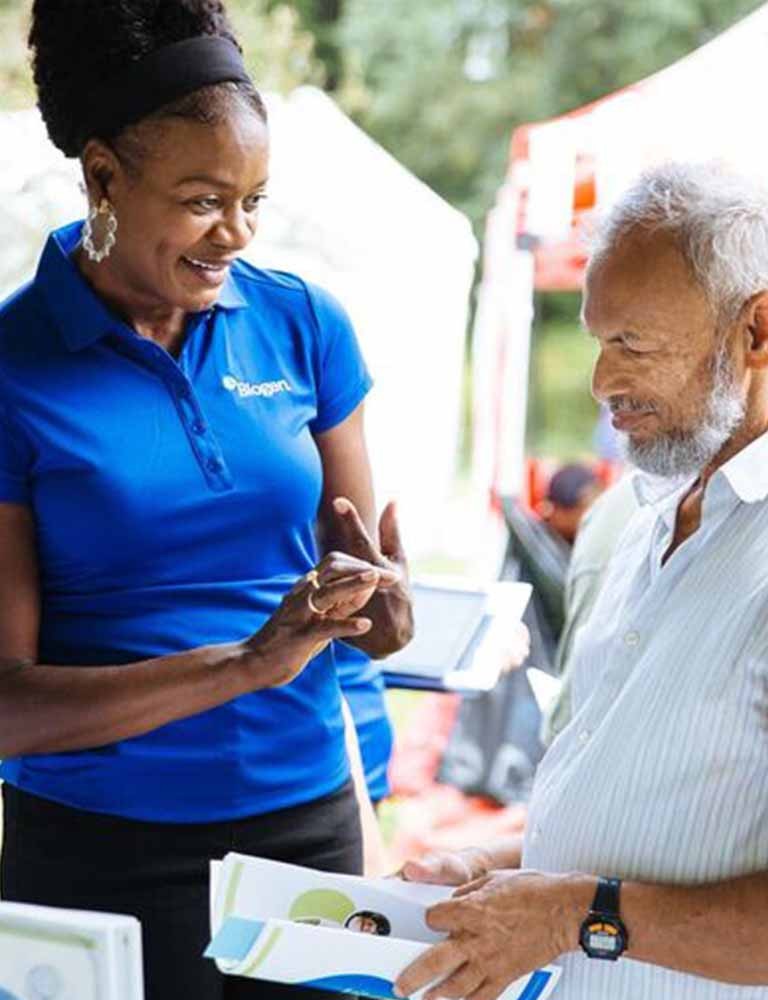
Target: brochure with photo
288	924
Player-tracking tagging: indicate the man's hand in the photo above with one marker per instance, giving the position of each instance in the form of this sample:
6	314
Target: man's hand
465	865
448	867
390	613
501	926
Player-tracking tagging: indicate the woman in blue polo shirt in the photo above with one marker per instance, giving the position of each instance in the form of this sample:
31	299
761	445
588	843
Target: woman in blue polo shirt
171	422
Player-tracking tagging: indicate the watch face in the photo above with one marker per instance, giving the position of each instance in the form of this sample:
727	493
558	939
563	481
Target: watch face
602	938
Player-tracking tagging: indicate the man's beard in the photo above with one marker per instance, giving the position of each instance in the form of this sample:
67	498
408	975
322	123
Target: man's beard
683	453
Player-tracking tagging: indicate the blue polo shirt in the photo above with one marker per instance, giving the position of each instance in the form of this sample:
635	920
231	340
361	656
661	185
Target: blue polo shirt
174	502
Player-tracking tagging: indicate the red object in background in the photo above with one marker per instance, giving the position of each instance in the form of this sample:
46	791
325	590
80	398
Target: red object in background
419	749
443	818
433	816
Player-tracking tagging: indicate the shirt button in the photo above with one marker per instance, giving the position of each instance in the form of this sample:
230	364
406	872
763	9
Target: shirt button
213	465
584	737
198	428
632	639
536	835
183	392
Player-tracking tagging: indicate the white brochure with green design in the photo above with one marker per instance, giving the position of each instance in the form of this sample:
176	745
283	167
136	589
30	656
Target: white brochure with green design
48	953
287	924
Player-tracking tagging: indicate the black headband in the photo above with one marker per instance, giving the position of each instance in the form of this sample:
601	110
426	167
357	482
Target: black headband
163	76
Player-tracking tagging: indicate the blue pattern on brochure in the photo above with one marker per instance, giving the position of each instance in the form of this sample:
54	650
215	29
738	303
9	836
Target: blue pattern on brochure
381	989
367	986
536	985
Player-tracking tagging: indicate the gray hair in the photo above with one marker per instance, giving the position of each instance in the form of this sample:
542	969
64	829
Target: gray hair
718	218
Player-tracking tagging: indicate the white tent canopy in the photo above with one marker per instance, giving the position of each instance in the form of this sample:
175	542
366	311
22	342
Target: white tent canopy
344	213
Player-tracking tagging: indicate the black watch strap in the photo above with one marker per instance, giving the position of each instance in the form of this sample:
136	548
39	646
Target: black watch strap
603	934
607	896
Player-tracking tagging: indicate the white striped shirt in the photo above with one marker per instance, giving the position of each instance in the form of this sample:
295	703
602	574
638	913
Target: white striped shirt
662	774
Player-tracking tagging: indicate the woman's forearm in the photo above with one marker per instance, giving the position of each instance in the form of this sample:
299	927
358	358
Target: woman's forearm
51	709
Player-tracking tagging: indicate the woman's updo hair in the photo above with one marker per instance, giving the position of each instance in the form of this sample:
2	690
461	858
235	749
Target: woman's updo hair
77	45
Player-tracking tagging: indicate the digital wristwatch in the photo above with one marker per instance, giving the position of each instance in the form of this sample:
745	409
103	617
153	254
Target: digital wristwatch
603	934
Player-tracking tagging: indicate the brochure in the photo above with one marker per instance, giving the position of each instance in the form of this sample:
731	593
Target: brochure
288	924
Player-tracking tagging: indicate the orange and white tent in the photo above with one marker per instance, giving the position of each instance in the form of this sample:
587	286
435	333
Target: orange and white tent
709	105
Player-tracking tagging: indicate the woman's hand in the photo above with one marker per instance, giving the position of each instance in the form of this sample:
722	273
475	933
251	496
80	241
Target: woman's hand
390	610
322	606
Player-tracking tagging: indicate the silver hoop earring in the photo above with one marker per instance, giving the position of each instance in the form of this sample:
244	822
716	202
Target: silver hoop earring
110	229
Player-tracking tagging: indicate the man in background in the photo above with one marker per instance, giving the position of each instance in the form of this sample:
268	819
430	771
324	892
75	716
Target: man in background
571	492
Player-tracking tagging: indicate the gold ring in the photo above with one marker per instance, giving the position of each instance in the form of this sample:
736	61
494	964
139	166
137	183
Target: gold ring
313	607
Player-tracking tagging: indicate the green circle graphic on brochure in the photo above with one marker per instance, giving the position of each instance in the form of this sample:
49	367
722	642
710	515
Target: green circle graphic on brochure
325	904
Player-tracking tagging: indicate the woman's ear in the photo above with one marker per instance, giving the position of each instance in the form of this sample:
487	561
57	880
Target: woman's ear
100	167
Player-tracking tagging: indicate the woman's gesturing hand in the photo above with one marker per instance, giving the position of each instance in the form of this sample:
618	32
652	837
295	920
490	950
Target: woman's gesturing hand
322	606
390	613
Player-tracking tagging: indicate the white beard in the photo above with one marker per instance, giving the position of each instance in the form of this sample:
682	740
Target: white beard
684	453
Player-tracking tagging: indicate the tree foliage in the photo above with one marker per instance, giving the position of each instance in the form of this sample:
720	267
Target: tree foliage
441	83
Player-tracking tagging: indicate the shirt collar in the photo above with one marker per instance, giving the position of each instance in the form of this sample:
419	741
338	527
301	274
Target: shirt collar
747	471
80	314
656	491
746	474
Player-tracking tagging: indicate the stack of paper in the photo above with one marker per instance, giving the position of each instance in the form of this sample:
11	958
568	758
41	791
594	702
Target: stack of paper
293	925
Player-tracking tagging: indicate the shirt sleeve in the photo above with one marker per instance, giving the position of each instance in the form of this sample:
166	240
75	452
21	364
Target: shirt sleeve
342	378
14	462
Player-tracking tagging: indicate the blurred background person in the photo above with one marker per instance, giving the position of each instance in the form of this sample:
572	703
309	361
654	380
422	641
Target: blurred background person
571	491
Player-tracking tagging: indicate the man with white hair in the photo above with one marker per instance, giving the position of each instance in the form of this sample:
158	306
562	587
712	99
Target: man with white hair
647	838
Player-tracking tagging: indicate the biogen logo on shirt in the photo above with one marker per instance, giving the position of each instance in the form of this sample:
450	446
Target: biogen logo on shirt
245	389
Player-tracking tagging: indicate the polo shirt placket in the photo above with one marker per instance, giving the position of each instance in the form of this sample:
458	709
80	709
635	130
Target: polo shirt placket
198	429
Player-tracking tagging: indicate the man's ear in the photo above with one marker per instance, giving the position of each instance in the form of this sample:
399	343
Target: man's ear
757	331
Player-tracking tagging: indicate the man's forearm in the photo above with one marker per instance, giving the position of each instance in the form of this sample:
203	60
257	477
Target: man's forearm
718	930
